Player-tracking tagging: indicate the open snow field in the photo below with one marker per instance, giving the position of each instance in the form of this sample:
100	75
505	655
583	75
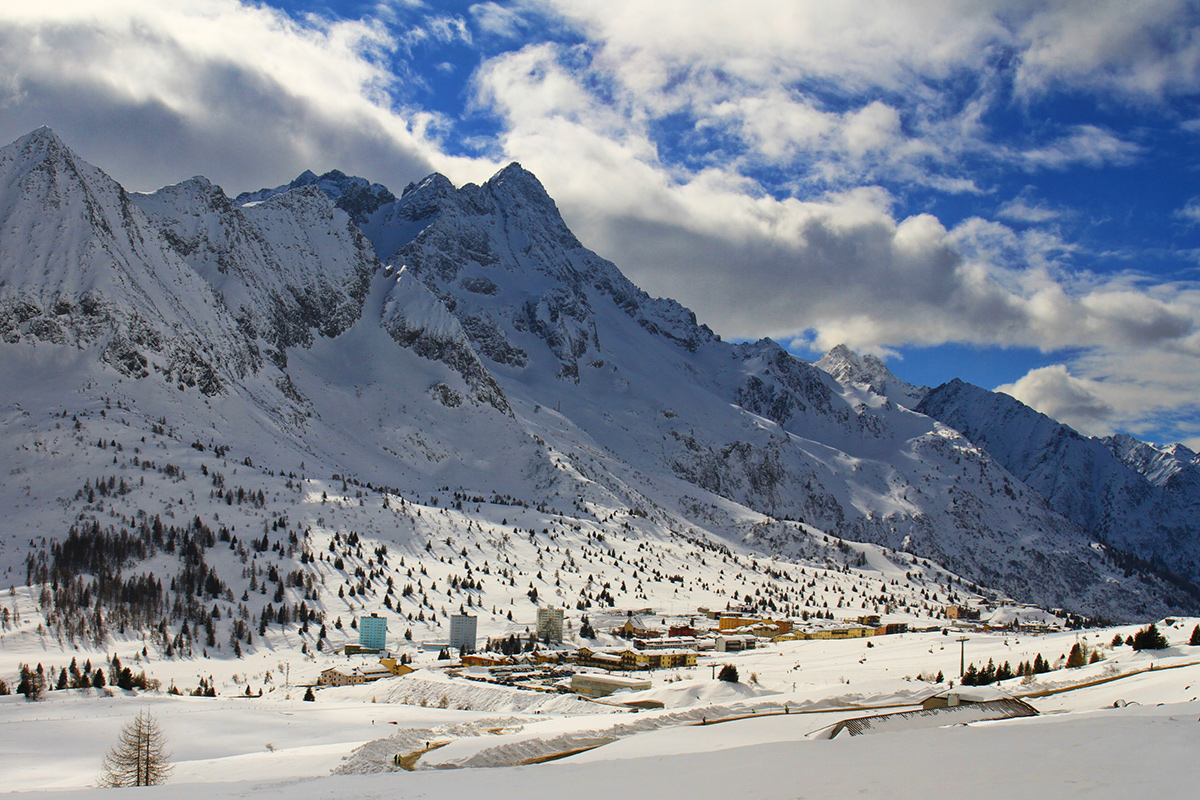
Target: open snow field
1141	729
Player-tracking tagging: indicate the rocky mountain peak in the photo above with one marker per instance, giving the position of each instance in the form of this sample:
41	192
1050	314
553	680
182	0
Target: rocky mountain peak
848	367
105	279
357	196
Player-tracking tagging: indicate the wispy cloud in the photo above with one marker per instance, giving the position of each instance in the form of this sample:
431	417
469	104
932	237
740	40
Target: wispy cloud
1087	145
1190	213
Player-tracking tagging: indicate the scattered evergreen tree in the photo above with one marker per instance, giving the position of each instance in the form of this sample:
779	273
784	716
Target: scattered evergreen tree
309	696
1195	638
32	683
1078	656
1150	638
585	628
1117	641
139	757
728	673
971	676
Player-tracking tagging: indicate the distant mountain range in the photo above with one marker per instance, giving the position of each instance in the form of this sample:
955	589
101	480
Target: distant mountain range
463	341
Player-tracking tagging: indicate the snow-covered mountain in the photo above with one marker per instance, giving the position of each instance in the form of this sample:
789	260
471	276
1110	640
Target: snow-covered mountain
591	364
848	367
287	268
1140	498
81	266
486	380
357	197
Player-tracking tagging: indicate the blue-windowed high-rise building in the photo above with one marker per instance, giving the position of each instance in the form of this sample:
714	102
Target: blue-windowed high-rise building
372	632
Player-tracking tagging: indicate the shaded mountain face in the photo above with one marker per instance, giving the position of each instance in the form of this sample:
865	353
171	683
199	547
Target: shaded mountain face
287	268
1121	491
81	265
487	353
357	197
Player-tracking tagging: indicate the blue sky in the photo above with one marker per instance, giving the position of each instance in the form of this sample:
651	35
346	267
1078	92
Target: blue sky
1000	191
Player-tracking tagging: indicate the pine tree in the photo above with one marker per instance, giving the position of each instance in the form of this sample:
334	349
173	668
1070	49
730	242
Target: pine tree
971	676
1195	638
32	684
139	758
309	696
728	673
1078	656
1117	641
1150	638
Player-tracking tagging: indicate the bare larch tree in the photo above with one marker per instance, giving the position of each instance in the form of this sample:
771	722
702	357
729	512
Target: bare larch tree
139	757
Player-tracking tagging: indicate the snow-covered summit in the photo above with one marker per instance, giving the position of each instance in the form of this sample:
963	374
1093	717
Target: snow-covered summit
81	265
287	267
848	367
1159	465
356	196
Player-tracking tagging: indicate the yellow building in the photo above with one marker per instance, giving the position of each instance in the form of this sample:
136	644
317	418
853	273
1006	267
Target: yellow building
353	676
630	659
847	632
759	626
395	667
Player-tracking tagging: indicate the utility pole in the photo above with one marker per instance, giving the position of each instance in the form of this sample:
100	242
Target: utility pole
962	655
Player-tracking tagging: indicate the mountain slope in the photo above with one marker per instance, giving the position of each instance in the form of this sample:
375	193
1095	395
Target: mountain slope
592	365
493	382
1120	491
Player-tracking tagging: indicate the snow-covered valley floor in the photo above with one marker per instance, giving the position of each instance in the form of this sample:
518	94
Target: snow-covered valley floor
1099	741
